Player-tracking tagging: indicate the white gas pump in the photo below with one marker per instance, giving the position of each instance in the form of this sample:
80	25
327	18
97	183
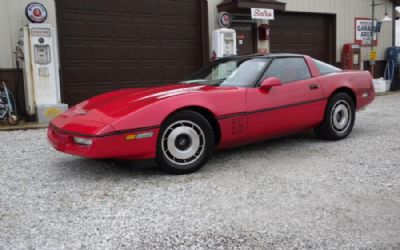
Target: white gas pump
224	42
40	67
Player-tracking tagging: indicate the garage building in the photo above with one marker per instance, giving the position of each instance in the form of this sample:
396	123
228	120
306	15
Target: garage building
111	44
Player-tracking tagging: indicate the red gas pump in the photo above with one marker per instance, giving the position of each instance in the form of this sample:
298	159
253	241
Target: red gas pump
351	56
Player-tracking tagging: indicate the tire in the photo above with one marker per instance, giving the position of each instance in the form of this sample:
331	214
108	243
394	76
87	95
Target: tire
339	118
185	143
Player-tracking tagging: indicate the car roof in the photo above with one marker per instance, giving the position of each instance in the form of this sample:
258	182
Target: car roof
271	55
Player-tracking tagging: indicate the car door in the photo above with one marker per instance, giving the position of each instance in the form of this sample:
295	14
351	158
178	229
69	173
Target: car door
295	105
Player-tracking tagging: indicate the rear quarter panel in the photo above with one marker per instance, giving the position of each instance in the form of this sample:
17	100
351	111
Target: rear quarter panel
359	82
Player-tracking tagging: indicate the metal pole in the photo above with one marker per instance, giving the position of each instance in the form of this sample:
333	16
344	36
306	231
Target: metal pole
394	25
372	37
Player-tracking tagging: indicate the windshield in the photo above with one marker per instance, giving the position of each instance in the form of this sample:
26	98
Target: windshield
234	73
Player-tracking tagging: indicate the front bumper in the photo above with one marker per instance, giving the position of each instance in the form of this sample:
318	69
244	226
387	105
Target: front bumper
104	147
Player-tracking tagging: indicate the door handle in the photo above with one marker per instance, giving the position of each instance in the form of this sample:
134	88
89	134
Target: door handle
313	86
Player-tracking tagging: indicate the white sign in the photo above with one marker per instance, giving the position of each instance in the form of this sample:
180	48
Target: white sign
41	32
257	13
364	31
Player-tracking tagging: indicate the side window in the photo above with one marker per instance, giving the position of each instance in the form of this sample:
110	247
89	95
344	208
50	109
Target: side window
288	69
325	68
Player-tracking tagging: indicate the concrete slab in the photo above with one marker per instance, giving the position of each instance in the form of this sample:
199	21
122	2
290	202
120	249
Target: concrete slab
22	126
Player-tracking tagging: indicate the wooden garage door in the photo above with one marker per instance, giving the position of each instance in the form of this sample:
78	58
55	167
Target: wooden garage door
303	33
112	44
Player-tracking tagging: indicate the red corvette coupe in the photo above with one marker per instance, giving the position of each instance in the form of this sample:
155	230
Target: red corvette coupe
234	101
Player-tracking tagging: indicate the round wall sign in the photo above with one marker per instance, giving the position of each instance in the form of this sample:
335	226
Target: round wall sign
36	12
225	19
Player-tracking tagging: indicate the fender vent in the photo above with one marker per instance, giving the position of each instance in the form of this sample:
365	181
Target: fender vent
238	126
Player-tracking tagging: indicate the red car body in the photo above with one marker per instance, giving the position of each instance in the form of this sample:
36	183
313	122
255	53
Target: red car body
238	115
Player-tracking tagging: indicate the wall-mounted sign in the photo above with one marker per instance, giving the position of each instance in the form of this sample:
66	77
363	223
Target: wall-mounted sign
36	12
225	19
372	55
257	13
363	32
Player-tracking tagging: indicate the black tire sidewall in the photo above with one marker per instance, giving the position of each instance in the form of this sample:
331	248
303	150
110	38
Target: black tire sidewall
204	125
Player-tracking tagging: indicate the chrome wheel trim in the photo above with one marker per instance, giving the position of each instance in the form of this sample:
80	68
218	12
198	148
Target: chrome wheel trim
341	116
185	133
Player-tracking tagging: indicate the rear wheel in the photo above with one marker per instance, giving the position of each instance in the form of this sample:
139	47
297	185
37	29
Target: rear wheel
339	118
185	143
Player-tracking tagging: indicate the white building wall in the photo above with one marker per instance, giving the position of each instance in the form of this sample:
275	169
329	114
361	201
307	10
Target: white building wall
12	18
345	10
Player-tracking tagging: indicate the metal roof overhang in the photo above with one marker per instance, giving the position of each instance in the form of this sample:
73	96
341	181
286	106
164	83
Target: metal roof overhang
396	2
241	5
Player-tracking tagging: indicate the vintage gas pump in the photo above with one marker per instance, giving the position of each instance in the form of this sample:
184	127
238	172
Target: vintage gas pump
40	67
351	56
392	71
224	42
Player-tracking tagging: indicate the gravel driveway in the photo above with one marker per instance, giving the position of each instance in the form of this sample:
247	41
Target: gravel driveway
292	192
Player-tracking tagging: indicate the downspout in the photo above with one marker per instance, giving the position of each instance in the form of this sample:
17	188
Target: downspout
394	15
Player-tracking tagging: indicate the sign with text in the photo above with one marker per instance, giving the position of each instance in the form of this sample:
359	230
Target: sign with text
36	12
363	32
258	13
41	32
372	55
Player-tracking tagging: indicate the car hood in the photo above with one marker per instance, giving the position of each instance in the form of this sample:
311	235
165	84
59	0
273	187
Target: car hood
113	105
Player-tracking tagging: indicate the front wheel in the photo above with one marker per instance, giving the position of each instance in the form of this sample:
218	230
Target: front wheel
185	143
339	118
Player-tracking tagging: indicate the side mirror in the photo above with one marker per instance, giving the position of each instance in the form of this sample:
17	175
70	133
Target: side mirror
270	82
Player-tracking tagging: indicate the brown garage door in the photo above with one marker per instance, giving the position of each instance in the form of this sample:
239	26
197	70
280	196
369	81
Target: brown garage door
303	33
112	44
